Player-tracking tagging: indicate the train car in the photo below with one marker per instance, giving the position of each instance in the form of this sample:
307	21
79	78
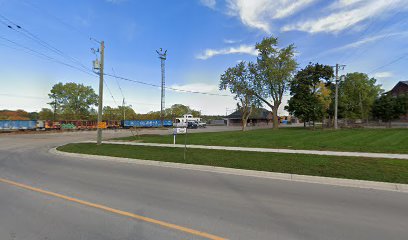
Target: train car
145	123
113	124
18	124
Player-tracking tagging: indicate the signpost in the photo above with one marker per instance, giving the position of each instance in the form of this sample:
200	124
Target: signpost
178	131
182	130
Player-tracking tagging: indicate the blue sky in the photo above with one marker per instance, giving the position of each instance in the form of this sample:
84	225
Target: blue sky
203	38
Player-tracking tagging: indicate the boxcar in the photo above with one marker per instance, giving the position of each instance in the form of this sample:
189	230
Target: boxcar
145	123
18	124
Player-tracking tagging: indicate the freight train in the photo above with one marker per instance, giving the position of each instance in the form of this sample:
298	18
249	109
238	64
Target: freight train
8	125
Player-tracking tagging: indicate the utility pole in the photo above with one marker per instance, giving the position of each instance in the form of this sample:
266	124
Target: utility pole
100	106
337	94
55	107
124	110
162	56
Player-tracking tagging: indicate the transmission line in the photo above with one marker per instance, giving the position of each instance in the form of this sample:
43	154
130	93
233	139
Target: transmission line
106	84
46	56
18	28
389	63
169	88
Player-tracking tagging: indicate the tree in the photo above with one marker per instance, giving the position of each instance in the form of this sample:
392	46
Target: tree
239	80
274	70
119	113
357	94
324	94
45	114
310	97
388	108
178	110
72	100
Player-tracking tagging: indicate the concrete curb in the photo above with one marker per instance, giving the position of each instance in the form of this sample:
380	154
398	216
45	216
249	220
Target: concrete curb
270	150
396	187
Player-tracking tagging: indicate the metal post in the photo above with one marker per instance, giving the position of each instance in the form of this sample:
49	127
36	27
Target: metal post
336	96
162	57
100	106
124	110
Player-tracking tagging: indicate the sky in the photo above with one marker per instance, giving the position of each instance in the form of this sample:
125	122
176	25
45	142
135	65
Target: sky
203	38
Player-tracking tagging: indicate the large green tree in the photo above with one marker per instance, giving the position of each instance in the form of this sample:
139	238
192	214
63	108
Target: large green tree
72	100
275	69
119	113
178	110
310	96
357	94
388	108
240	82
46	114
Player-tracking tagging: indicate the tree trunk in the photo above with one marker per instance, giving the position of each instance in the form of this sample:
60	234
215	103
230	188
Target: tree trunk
244	122
323	122
275	117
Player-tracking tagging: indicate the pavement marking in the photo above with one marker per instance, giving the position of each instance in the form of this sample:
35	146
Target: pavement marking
116	211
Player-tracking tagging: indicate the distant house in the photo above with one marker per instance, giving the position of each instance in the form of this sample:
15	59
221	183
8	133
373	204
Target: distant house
258	117
399	89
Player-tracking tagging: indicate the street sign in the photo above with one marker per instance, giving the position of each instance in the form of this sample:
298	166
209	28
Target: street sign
180	130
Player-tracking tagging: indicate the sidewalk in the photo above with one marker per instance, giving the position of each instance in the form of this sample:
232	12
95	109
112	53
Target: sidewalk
270	150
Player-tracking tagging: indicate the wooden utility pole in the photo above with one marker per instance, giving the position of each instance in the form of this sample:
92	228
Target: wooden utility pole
100	105
336	101
336	96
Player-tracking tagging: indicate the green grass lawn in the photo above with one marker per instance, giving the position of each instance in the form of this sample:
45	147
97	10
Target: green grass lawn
384	170
355	140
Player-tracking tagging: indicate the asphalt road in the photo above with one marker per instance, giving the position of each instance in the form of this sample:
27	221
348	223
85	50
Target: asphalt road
232	207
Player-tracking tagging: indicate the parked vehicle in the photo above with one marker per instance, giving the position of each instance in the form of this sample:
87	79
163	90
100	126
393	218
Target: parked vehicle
192	125
182	122
202	124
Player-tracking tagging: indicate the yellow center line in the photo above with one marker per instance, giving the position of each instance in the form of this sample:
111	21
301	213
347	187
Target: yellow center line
116	211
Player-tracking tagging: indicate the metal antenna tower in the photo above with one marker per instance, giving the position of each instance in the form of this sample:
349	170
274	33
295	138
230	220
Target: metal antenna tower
162	56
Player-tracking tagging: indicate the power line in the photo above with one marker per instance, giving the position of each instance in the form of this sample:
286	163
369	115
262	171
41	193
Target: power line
121	92
46	56
31	4
106	84
169	88
377	30
389	63
18	28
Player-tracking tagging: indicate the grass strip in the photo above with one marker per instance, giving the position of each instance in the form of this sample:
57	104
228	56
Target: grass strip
373	169
353	140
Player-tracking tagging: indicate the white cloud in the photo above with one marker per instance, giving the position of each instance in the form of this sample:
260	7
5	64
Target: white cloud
345	14
200	87
242	49
383	75
231	41
259	13
209	3
364	41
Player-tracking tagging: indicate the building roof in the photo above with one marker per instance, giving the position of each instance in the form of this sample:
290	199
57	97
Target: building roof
400	83
257	113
